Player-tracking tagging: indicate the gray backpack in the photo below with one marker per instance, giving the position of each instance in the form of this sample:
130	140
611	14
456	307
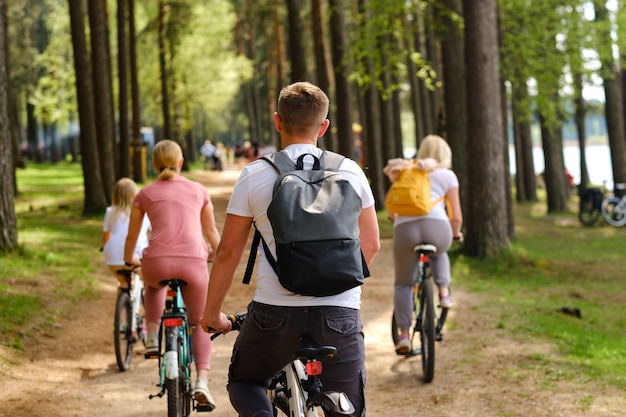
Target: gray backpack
315	218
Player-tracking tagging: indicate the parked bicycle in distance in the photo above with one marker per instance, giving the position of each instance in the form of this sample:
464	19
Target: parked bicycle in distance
426	322
128	326
296	390
175	355
613	208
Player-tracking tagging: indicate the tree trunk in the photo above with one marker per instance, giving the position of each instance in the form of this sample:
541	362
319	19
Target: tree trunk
455	98
579	115
296	46
321	63
165	98
95	198
138	146
614	106
103	94
343	89
487	221
8	218
554	173
123	169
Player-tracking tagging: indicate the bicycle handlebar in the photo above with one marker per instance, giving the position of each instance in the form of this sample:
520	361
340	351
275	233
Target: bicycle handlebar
236	321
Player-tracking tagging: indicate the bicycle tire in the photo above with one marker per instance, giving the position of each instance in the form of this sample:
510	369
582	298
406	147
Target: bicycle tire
122	331
428	329
612	212
175	392
588	212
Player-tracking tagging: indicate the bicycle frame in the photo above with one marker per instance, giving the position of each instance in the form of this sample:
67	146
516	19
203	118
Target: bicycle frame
177	355
296	390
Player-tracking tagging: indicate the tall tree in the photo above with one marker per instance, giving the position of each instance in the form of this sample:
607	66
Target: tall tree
614	108
296	47
138	146
123	169
487	221
8	219
164	72
95	198
103	93
455	98
343	87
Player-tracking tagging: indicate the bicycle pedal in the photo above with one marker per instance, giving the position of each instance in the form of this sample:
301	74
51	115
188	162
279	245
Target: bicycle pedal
151	355
204	407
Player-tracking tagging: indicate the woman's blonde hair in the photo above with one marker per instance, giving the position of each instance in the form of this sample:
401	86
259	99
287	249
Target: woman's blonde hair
124	192
436	147
166	158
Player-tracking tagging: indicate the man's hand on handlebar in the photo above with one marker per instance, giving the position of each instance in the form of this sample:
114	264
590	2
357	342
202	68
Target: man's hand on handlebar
222	325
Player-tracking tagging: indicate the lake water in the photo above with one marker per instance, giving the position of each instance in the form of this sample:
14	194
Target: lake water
598	163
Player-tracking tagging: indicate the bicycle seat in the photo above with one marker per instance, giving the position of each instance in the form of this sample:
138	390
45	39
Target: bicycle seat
311	350
173	282
424	248
127	273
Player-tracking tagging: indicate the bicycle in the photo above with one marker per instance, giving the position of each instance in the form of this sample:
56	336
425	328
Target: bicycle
613	208
296	390
175	355
425	320
128	327
590	206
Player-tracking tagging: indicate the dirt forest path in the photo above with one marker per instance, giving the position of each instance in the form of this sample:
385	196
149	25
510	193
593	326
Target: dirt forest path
71	370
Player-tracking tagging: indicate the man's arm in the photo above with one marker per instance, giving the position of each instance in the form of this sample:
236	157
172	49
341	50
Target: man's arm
369	236
229	252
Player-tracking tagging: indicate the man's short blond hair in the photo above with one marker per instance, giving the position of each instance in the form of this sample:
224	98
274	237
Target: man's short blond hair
302	107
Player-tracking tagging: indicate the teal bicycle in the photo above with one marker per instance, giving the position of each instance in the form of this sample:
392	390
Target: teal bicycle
175	355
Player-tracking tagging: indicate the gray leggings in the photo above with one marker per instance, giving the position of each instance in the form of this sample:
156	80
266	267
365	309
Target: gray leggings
406	236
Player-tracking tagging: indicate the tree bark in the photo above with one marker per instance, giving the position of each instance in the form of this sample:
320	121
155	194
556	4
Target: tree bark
95	198
123	169
487	221
343	89
138	146
454	90
165	97
103	94
296	46
8	218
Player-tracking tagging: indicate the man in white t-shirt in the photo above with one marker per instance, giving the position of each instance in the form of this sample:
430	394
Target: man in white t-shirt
276	317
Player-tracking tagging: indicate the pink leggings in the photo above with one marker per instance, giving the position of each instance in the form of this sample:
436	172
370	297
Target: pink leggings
195	273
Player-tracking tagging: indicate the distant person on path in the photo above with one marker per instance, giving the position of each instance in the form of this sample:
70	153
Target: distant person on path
276	317
208	152
180	211
435	228
115	229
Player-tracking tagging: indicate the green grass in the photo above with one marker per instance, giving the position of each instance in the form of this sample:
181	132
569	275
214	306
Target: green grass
556	264
53	266
553	263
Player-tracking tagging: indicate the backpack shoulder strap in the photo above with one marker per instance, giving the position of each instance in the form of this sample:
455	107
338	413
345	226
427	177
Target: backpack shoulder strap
331	161
280	161
252	258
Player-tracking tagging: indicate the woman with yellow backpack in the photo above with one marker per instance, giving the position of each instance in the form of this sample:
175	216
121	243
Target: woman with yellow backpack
424	205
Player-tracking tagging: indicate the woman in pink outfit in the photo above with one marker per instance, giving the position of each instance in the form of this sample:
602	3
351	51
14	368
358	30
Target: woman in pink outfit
181	214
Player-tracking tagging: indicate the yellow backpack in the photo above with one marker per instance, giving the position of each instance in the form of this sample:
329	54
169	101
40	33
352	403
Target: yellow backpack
409	195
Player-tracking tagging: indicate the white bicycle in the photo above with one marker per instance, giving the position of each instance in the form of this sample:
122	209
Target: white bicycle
613	208
296	390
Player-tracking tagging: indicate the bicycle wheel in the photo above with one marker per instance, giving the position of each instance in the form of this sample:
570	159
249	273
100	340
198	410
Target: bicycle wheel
175	392
427	329
123	332
589	211
612	212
